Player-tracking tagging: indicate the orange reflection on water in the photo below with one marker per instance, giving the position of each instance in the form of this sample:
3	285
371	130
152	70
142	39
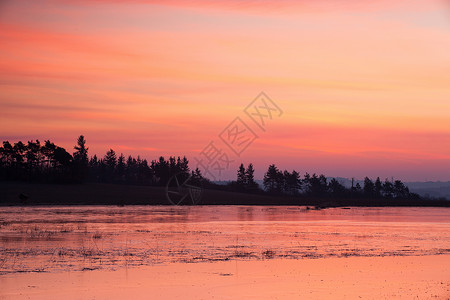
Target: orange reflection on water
55	239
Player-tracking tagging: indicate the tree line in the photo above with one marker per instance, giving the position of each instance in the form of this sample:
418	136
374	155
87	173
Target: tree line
47	162
319	186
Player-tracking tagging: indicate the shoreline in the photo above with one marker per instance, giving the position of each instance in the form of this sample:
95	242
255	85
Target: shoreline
38	194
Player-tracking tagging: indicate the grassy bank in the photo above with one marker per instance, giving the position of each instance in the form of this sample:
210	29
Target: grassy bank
20	193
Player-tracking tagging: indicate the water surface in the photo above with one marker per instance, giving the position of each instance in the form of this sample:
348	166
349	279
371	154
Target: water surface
55	239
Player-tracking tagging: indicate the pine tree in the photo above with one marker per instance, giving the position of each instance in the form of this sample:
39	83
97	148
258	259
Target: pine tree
292	182
388	189
369	187
241	180
110	162
378	187
81	153
121	167
273	180
250	178
80	159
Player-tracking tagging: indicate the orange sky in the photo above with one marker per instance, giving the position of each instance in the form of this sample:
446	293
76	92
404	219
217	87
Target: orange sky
364	87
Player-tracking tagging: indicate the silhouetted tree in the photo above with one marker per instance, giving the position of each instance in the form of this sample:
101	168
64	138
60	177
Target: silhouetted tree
273	180
5	160
81	153
378	187
400	190
63	165
182	165
369	187
197	178
250	183
163	170
18	153
80	159
144	175
241	180
292	182
48	150
131	170
315	185
121	167
33	156
110	159
245	181
7	153
109	165
18	160
94	169
388	189
62	157
336	189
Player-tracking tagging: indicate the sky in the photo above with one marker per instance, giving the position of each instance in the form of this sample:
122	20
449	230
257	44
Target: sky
355	88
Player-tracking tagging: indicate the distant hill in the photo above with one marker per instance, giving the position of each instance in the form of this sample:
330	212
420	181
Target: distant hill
435	189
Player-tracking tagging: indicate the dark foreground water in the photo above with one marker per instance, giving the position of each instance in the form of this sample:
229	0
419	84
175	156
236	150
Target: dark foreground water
54	239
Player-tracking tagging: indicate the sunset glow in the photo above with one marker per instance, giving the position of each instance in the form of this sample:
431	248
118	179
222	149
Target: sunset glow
364	88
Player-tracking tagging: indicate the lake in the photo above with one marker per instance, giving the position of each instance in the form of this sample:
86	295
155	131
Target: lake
84	238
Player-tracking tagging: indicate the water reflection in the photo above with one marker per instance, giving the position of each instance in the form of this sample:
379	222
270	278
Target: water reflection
45	239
